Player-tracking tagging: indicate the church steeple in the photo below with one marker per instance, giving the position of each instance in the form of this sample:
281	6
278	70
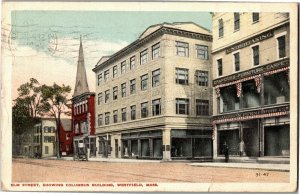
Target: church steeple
81	84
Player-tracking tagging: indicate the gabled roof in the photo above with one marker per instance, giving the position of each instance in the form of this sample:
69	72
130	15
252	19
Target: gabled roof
66	124
187	26
81	84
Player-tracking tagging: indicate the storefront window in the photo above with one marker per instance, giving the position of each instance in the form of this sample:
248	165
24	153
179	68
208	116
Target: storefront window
251	98
276	88
157	148
134	148
229	100
202	147
277	141
181	147
145	148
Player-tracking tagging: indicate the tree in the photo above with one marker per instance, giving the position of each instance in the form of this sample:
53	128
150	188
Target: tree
26	108
25	112
54	103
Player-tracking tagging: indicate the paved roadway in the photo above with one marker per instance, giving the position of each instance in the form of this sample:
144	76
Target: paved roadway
39	170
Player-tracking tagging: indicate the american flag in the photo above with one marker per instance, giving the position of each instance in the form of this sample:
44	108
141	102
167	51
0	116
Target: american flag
238	89
257	80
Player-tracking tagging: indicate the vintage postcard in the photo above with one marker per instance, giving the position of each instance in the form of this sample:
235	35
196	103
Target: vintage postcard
149	96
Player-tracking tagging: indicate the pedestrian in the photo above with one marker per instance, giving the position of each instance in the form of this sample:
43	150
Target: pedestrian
226	151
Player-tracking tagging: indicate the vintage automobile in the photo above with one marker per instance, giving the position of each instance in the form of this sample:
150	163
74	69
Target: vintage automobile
80	152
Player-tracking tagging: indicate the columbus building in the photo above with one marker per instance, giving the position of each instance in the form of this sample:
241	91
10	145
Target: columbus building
250	57
154	97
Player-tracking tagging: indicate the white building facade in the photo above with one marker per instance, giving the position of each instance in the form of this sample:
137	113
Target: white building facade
251	84
153	98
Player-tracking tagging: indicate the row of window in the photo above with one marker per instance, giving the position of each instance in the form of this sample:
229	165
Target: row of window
181	77
144	86
182	49
236	24
49	129
83	108
182	107
255	56
49	139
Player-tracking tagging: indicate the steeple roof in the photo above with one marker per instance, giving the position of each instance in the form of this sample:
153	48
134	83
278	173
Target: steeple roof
81	84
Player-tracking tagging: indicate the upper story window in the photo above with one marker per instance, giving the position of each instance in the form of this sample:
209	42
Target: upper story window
115	71
236	21
100	119
99	98
115	93
202	52
255	51
155	51
99	80
106	96
123	67
202	78
144	110
156	107
107	115
220	67
144	56
182	76
236	57
123	88
132	62
144	82
132	86
202	107
155	77
221	28
255	17
115	116
106	75
123	114
182	49
281	46
182	106
133	112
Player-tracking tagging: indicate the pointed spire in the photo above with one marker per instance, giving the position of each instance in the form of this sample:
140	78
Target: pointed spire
81	84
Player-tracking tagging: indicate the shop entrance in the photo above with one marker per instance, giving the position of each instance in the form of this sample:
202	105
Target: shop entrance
251	138
277	140
231	137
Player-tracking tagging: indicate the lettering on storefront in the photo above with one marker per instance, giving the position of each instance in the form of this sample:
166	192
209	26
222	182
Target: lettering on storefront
252	72
250	41
262	113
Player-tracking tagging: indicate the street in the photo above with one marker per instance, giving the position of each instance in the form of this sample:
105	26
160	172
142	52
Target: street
40	170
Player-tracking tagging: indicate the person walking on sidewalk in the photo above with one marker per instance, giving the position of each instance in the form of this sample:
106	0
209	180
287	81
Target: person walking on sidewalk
226	151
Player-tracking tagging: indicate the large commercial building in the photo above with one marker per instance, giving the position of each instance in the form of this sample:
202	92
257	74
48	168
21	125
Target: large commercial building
153	97
251	82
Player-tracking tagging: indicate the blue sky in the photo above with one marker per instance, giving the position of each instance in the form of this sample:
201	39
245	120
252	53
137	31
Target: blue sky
45	43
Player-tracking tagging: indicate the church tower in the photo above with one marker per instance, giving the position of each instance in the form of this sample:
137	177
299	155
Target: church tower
83	110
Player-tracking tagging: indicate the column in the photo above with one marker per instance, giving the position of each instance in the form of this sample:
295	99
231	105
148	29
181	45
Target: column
139	148
215	141
242	144
167	144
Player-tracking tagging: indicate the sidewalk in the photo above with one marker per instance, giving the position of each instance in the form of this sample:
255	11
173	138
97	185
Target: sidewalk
272	167
119	160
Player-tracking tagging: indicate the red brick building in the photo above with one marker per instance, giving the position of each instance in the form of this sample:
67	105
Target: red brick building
83	110
66	137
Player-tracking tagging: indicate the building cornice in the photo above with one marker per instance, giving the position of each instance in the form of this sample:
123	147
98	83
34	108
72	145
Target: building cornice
248	38
262	112
159	32
82	97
